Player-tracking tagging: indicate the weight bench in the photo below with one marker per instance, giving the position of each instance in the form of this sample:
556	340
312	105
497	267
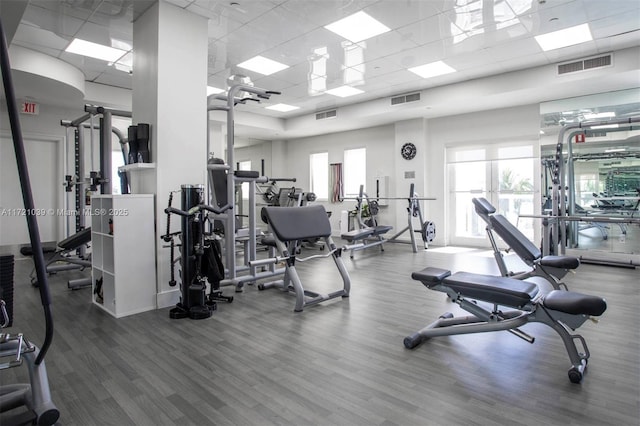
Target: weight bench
563	311
290	225
367	237
62	260
551	268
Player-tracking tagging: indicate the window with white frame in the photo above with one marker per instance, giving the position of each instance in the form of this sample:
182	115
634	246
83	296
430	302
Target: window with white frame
319	175
355	171
245	165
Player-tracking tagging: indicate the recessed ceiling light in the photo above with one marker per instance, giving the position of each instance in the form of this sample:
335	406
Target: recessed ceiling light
282	107
433	69
94	50
615	150
262	65
213	90
563	38
358	27
344	91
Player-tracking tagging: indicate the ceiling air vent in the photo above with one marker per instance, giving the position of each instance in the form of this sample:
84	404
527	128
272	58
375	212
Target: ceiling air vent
413	97
326	114
584	64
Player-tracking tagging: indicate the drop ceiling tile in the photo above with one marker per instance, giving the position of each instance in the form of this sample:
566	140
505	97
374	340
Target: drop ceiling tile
220	26
513	49
616	24
599	9
428	30
621	41
397	14
103	35
74	9
119	79
243	12
37	48
524	62
324	12
550	19
180	3
35	36
61	25
386	44
572	52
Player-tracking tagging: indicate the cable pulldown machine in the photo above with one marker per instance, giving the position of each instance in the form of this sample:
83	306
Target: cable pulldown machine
238	275
200	256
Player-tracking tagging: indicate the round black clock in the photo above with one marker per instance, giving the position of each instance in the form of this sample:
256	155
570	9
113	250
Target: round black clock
408	151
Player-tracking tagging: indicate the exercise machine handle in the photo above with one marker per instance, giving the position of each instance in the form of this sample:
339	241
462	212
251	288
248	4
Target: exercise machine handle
194	210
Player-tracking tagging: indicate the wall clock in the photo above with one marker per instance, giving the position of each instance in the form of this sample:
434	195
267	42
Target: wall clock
408	151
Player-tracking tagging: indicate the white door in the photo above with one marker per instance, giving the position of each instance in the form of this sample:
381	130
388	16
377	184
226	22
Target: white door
505	175
43	163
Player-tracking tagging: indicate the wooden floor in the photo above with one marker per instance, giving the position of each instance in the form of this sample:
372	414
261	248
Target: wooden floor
256	362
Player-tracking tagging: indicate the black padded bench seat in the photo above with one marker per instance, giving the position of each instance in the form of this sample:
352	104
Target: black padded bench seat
76	240
525	248
489	288
298	223
360	234
575	303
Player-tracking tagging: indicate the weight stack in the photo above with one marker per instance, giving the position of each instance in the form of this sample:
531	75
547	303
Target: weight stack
6	284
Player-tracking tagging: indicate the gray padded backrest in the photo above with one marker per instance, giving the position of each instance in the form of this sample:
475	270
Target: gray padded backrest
483	206
515	239
298	223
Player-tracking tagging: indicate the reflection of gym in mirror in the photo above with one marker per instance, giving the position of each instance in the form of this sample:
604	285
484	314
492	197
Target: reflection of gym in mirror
601	166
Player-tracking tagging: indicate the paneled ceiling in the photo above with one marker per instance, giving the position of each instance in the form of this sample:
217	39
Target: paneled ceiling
477	38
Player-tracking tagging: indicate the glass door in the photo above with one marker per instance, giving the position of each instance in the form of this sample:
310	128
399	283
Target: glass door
504	175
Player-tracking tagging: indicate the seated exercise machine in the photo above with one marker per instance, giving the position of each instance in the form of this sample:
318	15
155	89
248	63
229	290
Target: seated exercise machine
35	396
200	257
561	310
551	268
290	225
370	234
62	258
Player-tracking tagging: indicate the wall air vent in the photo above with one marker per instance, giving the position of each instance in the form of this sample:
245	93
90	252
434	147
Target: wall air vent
584	64
326	114
397	100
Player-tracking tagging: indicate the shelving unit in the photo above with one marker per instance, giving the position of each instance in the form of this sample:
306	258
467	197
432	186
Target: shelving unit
123	253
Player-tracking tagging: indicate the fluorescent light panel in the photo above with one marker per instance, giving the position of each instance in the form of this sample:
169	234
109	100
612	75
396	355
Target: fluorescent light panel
282	107
605	126
563	38
94	50
262	65
358	27
344	91
433	69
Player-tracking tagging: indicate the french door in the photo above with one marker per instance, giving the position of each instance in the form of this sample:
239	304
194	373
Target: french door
504	174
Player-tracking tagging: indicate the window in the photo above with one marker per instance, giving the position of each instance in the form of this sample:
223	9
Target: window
319	174
245	165
355	171
117	160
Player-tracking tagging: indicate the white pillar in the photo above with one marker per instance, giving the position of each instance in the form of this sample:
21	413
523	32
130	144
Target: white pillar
170	93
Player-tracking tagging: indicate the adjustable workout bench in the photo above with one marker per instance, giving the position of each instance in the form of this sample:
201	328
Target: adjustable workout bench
561	310
290	225
62	260
551	268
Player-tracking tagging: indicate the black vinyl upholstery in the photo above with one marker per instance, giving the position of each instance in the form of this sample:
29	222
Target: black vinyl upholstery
575	303
483	206
498	290
76	240
298	223
515	239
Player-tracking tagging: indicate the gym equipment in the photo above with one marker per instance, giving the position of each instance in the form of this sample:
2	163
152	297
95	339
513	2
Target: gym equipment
63	258
563	311
233	271
366	234
290	225
551	268
427	229
35	395
138	144
200	258
557	231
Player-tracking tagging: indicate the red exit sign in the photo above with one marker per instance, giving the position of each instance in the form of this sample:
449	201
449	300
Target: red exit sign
31	108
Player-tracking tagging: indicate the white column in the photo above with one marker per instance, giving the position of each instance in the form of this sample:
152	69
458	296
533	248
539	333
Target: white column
170	93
